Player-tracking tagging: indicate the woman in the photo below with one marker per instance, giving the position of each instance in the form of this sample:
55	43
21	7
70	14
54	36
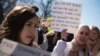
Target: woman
42	40
20	25
74	48
94	40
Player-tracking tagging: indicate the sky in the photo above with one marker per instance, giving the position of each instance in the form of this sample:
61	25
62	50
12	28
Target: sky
90	11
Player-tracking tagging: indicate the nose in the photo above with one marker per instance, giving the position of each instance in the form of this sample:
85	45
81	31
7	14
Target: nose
32	30
84	36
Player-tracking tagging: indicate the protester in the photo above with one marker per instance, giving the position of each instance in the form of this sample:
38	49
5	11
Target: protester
42	30
94	40
52	37
42	40
20	25
77	47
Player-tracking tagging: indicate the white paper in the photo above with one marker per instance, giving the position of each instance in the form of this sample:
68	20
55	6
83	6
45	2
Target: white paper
10	48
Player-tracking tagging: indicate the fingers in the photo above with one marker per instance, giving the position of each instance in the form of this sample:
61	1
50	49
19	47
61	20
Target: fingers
64	34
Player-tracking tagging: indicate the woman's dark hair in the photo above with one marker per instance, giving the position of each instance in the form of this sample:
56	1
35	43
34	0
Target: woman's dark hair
36	9
14	22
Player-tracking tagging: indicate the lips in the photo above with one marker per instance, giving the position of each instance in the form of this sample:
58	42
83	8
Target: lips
29	37
82	40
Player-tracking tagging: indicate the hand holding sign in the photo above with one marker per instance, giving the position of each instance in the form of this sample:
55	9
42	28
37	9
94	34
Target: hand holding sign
11	48
64	34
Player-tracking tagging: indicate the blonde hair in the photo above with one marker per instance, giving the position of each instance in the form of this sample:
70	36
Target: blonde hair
81	26
93	27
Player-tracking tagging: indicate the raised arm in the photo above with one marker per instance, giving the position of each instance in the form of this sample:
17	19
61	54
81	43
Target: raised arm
59	49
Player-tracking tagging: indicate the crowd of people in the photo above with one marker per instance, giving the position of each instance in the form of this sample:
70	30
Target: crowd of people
23	25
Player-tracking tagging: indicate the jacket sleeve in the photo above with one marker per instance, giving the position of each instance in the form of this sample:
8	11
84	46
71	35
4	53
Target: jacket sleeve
59	49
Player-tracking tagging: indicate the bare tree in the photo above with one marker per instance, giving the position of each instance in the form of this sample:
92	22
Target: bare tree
45	7
7	5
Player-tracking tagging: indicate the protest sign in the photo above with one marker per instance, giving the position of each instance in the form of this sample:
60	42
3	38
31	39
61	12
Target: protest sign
10	48
65	16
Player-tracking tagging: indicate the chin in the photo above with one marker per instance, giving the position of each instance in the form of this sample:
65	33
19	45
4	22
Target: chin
81	43
27	43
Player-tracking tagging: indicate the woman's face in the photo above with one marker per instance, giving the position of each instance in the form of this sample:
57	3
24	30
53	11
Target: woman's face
28	32
94	34
82	36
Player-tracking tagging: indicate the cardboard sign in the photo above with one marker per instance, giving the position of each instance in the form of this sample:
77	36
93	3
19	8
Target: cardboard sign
10	48
65	16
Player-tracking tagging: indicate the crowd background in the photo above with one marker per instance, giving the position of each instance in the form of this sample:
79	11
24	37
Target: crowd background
44	37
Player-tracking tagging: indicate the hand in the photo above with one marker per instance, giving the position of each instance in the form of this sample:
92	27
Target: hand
64	34
76	47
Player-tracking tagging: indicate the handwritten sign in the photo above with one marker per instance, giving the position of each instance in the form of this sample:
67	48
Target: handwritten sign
10	48
65	16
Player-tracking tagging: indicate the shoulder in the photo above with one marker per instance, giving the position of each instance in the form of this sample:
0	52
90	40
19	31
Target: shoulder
35	46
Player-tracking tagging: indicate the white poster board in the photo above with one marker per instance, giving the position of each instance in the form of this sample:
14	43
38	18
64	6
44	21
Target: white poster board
65	16
10	48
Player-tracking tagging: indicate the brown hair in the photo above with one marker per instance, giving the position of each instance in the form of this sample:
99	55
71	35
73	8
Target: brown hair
14	22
